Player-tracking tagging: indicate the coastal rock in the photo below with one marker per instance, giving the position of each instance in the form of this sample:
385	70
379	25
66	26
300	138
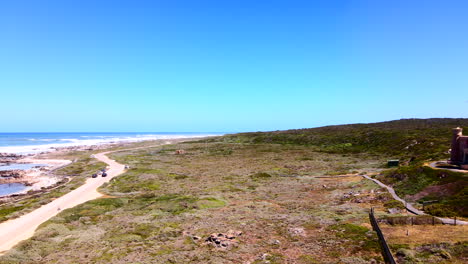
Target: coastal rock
297	231
223	241
394	210
9	157
17	176
12	173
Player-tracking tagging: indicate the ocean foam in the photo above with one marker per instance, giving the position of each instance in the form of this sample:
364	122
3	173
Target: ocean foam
73	142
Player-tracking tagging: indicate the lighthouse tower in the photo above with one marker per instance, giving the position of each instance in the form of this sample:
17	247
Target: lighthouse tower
455	154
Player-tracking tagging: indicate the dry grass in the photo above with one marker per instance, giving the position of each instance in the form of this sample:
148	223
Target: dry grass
269	192
424	234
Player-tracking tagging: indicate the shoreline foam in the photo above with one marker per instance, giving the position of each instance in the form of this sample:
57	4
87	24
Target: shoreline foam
75	142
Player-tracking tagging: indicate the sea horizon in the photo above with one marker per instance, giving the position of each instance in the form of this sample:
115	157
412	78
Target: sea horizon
35	142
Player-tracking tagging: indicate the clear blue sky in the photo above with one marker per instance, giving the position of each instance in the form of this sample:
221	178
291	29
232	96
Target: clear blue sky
229	65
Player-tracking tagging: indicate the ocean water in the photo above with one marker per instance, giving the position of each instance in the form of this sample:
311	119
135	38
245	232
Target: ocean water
26	143
10	188
20	166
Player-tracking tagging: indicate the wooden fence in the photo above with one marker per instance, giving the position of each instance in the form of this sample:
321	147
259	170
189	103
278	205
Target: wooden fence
387	254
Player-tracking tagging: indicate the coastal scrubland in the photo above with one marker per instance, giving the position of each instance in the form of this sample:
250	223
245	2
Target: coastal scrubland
412	141
255	198
444	192
166	206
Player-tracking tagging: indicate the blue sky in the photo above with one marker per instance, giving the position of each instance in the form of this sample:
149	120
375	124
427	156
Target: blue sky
229	65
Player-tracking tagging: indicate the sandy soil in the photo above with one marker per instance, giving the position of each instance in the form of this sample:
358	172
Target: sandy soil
50	162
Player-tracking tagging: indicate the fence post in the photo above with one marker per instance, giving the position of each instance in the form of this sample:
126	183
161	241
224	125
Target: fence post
386	253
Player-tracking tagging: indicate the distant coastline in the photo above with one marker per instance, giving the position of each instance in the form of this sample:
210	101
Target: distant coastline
17	150
33	143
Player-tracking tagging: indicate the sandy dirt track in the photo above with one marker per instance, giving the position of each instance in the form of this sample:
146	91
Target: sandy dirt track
15	230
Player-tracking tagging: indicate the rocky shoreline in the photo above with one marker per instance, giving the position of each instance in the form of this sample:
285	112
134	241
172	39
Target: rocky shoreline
7	158
15	176
35	178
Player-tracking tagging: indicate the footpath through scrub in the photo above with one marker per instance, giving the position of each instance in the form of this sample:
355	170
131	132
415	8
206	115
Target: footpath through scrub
411	208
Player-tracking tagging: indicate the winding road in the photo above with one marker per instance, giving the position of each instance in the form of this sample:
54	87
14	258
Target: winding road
410	207
15	230
434	165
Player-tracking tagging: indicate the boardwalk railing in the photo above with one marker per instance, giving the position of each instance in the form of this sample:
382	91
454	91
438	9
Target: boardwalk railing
387	254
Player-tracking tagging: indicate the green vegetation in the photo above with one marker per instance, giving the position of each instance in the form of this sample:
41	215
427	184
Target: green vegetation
410	180
451	206
82	167
159	206
93	210
265	185
260	175
448	190
418	139
428	253
7	210
413	141
391	203
357	237
128	183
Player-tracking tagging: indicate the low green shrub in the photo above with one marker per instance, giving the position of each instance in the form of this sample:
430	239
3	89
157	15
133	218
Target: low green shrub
260	175
358	235
394	204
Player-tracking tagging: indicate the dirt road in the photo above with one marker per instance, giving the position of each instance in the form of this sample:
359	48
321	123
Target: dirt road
16	230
